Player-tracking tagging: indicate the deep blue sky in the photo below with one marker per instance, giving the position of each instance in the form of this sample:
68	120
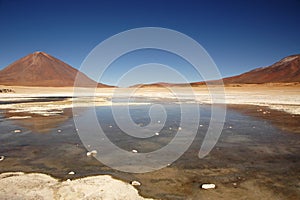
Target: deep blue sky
239	35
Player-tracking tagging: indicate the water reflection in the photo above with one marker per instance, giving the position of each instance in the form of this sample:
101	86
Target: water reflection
38	123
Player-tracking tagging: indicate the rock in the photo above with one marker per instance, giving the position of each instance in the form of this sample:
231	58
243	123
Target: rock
6	90
91	153
68	180
200	125
207	186
59	130
17	131
135	183
110	126
158	121
134	151
234	184
2	158
71	173
156	133
179	128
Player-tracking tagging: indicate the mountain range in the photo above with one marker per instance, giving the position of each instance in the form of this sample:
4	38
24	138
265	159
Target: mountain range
44	70
287	70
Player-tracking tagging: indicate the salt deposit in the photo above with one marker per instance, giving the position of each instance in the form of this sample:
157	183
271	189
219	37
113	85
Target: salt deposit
18	185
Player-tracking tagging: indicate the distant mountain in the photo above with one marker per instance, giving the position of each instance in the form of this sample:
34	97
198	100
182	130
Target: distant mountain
160	84
286	70
42	69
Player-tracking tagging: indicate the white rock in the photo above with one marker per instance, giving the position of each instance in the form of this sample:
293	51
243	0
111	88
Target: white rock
158	121
2	158
88	153
156	133
170	128
91	153
230	127
134	151
201	125
71	173
68	180
135	183
110	126
17	131
179	128
59	130
207	186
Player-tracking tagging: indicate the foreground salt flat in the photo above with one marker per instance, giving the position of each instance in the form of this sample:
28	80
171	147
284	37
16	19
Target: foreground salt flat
18	185
284	97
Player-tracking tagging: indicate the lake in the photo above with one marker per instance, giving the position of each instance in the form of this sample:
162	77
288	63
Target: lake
255	156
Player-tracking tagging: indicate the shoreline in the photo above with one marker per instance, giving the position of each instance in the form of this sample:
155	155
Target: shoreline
282	97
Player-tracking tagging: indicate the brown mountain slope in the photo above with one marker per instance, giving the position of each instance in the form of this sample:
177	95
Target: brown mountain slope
284	71
41	69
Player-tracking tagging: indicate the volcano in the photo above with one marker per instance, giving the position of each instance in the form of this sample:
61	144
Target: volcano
44	70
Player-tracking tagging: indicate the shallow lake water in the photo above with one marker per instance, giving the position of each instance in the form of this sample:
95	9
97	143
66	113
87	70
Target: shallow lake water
251	152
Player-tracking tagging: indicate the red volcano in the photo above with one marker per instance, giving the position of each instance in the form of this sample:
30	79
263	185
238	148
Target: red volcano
41	69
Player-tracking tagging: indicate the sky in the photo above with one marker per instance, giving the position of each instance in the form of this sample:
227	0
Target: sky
238	35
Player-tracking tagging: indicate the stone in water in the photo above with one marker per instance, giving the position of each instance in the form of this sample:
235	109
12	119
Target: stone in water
207	186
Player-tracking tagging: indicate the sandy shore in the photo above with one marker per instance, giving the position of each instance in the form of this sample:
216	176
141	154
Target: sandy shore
42	186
